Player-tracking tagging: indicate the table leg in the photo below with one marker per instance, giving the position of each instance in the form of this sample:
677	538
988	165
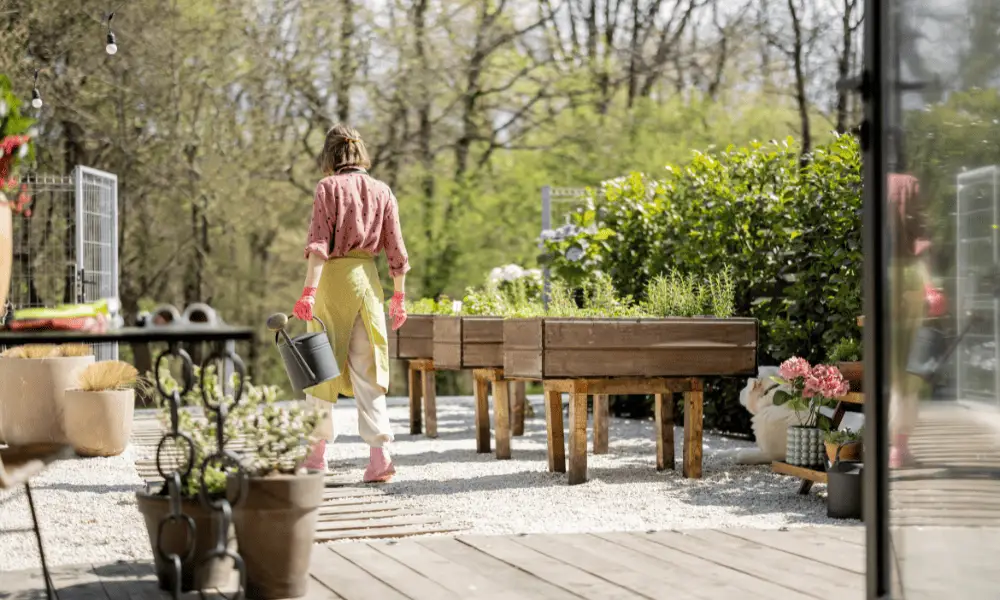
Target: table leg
602	414
693	415
554	428
664	424
517	407
482	394
577	438
501	410
416	393
430	403
50	591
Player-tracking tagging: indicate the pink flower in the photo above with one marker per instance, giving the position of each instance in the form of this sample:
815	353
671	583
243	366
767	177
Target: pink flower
825	381
793	368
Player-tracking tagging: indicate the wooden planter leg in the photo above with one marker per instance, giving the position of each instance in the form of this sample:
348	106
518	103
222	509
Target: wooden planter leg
554	428
517	408
664	423
501	410
577	438
482	390
693	414
601	416
416	393
430	403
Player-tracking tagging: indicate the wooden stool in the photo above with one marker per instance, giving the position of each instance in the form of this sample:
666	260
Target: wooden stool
509	420
663	390
423	390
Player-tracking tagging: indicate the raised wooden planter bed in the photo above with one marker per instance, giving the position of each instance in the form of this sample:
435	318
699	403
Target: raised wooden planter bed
559	348
415	339
468	342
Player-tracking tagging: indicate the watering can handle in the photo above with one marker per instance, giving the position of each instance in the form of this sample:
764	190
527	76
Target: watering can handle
295	351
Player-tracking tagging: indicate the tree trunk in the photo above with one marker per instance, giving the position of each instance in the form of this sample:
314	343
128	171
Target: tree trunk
800	80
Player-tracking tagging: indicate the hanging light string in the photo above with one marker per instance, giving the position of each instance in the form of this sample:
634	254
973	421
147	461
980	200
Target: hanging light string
112	46
36	96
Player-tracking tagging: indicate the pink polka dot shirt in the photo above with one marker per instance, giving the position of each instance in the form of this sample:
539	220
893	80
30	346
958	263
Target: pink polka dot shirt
354	211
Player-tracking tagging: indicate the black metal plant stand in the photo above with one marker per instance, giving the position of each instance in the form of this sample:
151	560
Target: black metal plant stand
216	408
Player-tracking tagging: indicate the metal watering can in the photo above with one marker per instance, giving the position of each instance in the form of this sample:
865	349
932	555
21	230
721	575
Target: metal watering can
308	358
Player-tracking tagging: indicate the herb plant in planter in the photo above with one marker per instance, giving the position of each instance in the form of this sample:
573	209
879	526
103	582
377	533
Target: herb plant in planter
197	573
847	356
849	442
276	521
813	388
98	411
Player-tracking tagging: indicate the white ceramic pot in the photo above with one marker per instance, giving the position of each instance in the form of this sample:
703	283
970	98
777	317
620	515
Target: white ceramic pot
32	393
98	423
805	447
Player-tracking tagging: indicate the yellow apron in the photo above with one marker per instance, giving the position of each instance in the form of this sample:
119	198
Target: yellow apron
348	287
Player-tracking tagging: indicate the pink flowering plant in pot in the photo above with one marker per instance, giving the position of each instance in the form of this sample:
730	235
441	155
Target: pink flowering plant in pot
805	389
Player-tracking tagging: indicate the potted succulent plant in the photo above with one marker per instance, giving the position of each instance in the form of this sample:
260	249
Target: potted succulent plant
34	380
849	442
97	413
812	388
847	356
197	573
276	521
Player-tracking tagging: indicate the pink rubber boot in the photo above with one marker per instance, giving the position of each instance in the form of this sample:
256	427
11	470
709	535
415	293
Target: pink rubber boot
316	461
899	454
380	469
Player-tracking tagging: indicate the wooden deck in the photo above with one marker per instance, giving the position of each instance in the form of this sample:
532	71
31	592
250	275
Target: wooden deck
812	563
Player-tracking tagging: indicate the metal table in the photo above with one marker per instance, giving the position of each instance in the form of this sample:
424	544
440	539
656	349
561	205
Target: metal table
19	464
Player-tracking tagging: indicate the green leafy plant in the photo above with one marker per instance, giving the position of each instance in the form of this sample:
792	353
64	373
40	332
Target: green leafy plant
846	350
279	438
16	146
429	306
203	431
722	293
843	436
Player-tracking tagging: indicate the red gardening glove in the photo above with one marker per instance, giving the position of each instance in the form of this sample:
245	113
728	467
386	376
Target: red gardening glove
397	311
937	304
304	307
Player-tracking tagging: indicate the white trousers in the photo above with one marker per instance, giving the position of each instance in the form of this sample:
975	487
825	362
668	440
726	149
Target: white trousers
373	415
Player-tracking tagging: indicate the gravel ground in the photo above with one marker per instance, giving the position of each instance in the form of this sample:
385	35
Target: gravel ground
624	493
88	514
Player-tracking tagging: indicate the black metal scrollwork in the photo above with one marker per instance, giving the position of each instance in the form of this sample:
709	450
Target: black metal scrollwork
218	405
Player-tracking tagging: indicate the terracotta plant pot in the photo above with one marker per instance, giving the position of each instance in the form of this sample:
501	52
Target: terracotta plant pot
32	397
853	372
851	452
276	525
98	423
196	574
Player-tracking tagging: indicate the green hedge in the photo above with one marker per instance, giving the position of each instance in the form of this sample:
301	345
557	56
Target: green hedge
790	233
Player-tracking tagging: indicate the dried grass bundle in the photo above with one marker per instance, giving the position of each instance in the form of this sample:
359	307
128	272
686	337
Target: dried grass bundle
107	376
32	351
75	350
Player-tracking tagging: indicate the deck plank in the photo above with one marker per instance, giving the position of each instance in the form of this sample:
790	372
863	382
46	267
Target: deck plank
398	575
554	571
721	577
458	579
832	581
795	543
347	580
525	586
623	567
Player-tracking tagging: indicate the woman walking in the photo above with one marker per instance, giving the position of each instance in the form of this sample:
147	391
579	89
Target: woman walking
355	217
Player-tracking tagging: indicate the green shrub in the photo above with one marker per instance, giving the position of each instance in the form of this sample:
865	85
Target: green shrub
791	234
846	350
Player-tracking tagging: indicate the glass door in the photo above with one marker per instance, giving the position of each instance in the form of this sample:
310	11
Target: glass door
932	298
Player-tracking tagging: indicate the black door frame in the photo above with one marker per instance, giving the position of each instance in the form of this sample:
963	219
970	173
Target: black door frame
876	89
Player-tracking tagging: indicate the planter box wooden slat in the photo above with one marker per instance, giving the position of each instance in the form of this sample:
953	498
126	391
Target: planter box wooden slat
468	342
552	348
415	339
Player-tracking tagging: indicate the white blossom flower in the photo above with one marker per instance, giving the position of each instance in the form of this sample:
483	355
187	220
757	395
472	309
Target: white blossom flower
3	108
574	254
24	150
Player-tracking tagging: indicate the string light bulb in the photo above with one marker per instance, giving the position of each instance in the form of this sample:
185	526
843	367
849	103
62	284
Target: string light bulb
36	96
112	46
